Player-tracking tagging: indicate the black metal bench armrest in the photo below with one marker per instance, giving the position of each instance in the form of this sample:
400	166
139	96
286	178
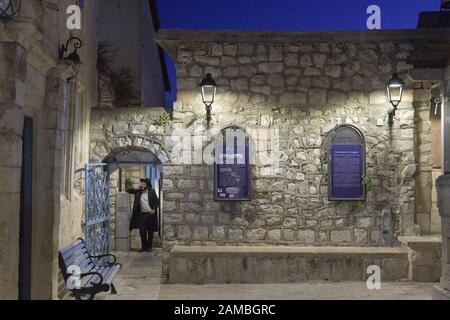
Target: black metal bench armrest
93	274
106	255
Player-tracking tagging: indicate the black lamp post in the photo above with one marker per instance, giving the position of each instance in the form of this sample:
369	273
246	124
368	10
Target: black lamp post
394	89
209	87
9	9
73	58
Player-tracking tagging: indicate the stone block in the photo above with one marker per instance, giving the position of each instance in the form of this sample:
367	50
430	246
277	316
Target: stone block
291	99
199	171
312	72
445	279
218	233
275	54
317	96
235	234
341	236
274	235
187	184
173	218
288	235
446	250
276	80
173	170
184	232
394	269
291	60
200	233
426	273
173	195
282	264
256	234
270	67
333	71
361	236
307	236
246	49
230	50
446	227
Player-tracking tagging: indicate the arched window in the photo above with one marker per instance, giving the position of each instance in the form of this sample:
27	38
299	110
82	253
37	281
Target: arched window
346	164
232	169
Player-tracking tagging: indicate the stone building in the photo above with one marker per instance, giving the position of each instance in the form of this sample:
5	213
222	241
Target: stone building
127	27
304	85
289	92
45	115
44	126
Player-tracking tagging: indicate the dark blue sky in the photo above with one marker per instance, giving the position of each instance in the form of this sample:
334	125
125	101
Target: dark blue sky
287	15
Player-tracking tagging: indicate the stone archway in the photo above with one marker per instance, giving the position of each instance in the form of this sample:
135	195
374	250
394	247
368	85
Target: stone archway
113	130
126	137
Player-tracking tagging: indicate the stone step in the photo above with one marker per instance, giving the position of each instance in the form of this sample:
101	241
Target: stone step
273	264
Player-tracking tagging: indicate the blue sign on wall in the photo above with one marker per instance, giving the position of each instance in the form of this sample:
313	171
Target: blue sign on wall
233	174
347	172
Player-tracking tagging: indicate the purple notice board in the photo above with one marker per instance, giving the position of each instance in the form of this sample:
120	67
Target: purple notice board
347	172
233	175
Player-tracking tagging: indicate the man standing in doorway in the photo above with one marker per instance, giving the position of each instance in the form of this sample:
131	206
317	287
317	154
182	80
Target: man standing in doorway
144	216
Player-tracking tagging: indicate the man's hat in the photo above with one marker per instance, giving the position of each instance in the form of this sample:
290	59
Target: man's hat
148	182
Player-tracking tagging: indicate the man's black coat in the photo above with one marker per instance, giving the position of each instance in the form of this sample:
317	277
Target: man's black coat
153	202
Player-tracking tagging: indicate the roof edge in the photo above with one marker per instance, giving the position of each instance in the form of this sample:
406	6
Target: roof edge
168	38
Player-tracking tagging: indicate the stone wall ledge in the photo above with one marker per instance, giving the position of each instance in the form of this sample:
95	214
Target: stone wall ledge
202	265
291	250
168	38
418	240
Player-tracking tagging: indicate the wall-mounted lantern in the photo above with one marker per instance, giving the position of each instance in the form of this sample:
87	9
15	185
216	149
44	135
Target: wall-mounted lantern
394	89
73	58
209	87
9	9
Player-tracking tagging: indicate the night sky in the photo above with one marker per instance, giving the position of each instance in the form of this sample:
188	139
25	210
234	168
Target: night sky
286	15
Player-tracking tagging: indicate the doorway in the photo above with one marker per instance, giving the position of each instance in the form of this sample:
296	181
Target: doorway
126	167
26	211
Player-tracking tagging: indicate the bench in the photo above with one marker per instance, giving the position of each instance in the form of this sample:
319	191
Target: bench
97	272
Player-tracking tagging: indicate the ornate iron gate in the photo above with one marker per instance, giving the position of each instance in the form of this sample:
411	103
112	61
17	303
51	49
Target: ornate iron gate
96	225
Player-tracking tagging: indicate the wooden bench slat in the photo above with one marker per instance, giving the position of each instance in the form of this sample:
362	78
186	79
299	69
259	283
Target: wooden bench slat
70	248
75	259
74	253
77	254
114	270
78	262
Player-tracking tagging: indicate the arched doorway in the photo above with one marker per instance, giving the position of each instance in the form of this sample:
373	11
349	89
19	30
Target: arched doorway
126	166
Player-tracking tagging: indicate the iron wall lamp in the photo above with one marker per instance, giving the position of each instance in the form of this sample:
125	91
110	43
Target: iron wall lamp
208	87
73	58
9	9
394	89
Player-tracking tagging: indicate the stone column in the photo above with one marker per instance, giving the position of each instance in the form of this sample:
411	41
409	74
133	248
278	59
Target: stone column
12	75
51	151
442	292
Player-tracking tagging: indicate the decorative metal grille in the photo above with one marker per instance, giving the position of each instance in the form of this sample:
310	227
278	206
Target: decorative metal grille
97	214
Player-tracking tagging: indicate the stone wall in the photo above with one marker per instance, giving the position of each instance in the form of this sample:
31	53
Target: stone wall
300	86
303	90
32	85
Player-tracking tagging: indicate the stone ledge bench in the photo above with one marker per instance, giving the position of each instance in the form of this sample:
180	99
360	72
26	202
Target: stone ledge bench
277	264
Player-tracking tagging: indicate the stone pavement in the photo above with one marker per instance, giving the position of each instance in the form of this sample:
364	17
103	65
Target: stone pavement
140	279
